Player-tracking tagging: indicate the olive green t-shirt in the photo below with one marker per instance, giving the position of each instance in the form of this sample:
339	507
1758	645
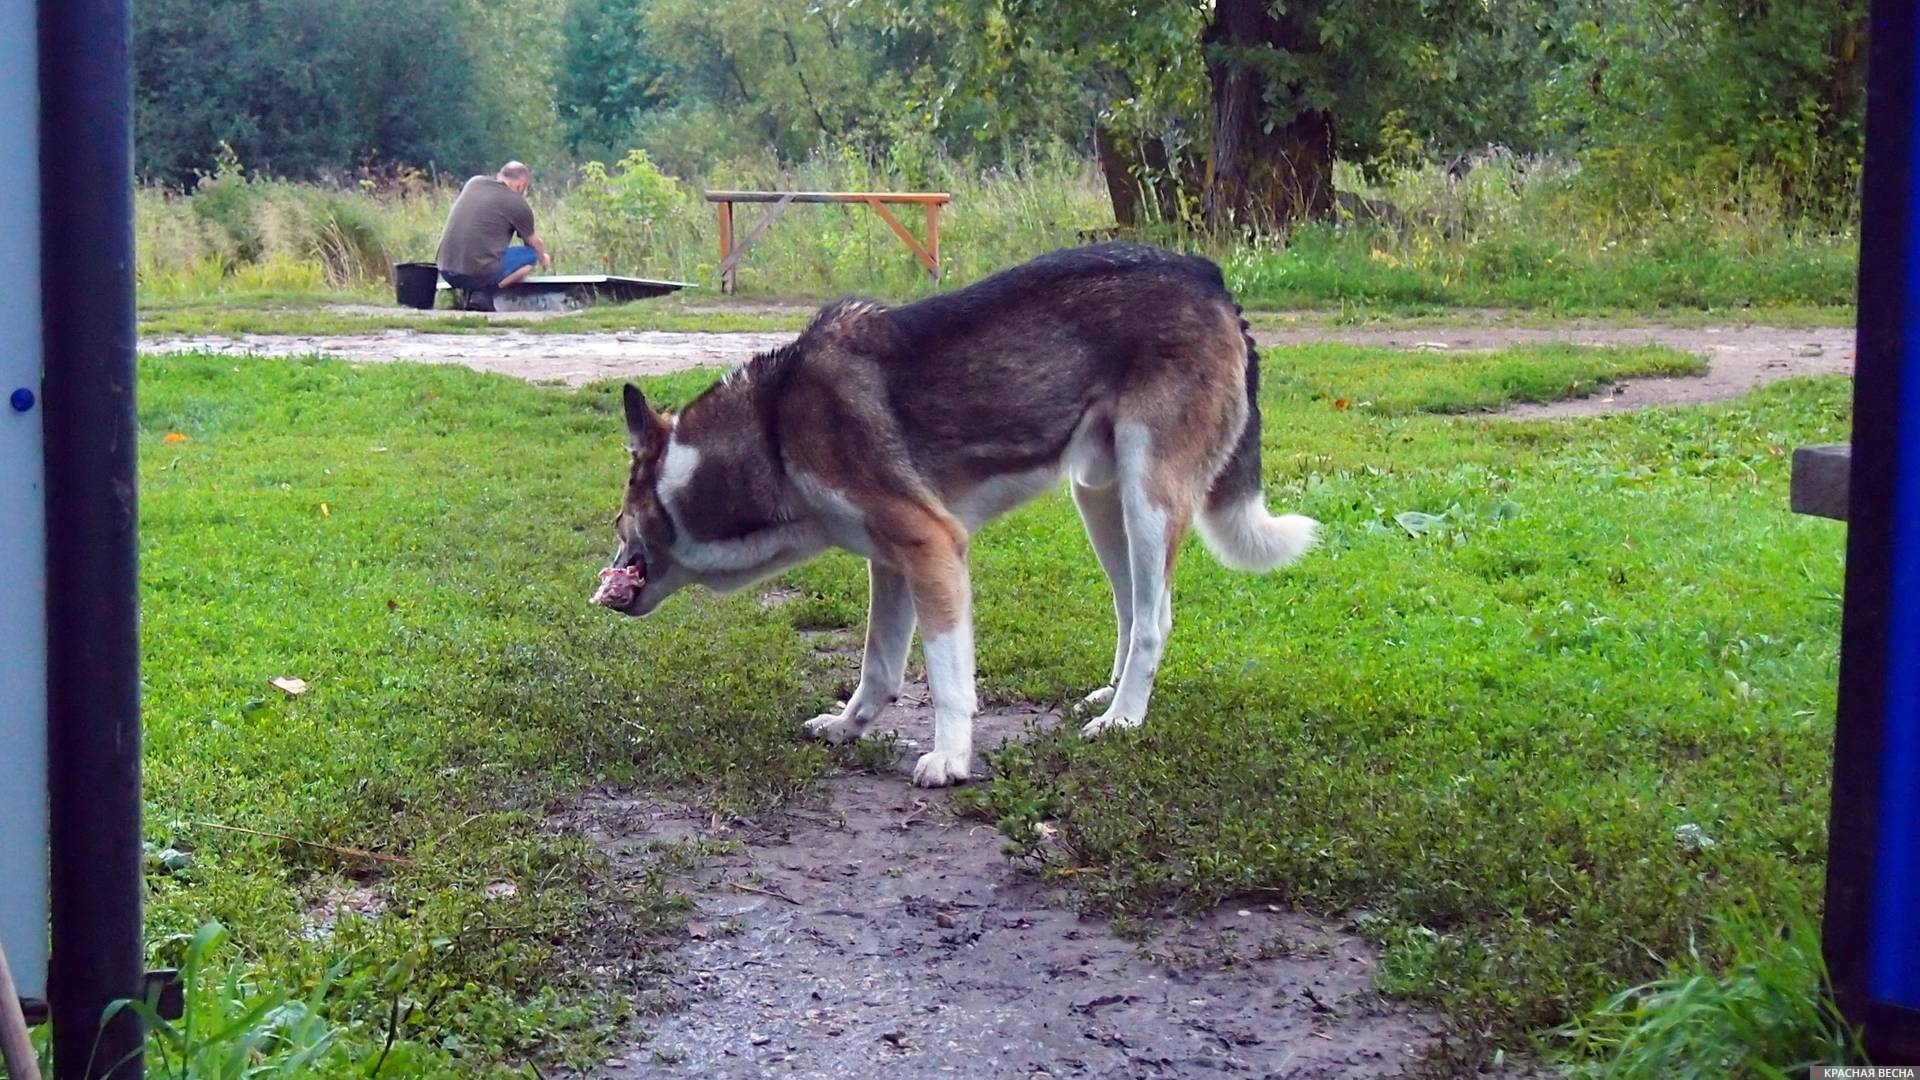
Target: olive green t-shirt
482	223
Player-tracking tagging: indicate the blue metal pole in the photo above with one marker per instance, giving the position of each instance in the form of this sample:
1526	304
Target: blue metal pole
1872	927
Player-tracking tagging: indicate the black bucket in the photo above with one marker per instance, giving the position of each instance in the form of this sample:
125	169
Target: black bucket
415	284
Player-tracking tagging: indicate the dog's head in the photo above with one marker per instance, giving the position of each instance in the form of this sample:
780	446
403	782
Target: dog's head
643	572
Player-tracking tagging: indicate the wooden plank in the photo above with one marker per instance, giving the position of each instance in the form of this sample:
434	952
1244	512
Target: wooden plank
925	256
1820	480
726	243
933	238
930	197
729	265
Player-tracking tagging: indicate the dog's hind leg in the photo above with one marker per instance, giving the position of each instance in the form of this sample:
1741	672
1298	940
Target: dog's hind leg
1157	510
1101	512
889	634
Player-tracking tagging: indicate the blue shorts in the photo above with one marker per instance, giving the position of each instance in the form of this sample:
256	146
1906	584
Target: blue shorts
512	259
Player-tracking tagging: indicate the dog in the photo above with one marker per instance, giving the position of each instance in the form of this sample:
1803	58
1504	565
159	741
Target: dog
897	432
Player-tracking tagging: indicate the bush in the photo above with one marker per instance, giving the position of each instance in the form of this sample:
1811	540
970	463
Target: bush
625	217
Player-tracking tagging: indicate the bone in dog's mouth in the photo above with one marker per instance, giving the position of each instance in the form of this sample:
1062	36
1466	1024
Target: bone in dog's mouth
619	585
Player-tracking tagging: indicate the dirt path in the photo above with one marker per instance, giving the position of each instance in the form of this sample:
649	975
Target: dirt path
572	359
1740	358
884	936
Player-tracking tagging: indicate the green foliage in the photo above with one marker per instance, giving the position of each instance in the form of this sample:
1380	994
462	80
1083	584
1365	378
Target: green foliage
515	49
1661	102
781	76
625	217
232	1028
303	88
1535	236
1767	1012
1745	94
607	75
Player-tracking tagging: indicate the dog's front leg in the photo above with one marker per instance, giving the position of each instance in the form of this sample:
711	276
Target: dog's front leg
935	563
889	633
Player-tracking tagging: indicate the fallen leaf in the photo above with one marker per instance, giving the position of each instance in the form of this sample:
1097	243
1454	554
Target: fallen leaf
1417	523
174	437
324	512
379	449
293	687
1775	450
697	930
393	605
1339	403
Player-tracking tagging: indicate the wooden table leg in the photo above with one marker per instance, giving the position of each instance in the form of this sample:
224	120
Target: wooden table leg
727	276
933	240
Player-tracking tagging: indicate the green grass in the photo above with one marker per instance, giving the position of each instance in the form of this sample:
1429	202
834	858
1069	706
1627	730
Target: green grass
1526	655
1484	717
217	320
1768	1012
417	544
1422	273
237	314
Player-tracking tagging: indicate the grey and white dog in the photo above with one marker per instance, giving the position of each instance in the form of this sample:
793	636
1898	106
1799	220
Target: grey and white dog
895	433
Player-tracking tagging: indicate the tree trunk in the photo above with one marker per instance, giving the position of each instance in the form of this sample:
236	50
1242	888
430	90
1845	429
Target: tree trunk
1125	160
1262	176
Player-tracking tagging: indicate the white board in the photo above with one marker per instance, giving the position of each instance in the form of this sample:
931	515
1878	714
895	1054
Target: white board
23	545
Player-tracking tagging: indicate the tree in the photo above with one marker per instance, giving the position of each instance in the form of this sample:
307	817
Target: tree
1248	101
301	88
1767	89
798	77
608	73
515	57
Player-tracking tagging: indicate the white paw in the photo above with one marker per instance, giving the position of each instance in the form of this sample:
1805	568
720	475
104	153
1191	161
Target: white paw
1110	721
942	767
835	728
1098	697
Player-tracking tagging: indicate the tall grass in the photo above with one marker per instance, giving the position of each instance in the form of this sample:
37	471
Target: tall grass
1549	234
237	1026
1767	1012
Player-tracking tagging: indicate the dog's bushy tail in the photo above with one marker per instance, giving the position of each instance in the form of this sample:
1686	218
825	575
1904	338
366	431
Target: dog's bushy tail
1236	525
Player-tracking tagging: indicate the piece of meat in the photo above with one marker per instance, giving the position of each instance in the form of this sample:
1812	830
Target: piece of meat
618	586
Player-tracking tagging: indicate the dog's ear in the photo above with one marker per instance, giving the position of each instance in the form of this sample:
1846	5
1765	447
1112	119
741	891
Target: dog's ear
646	430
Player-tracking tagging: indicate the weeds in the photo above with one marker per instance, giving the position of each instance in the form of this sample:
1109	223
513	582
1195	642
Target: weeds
1766	1010
1541	235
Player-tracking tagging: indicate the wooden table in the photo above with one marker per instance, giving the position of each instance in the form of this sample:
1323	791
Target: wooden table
730	253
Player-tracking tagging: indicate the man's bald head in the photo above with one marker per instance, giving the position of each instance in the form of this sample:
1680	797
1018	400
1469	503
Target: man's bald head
515	175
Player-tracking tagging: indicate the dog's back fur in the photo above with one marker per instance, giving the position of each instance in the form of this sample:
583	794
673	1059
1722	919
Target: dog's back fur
895	432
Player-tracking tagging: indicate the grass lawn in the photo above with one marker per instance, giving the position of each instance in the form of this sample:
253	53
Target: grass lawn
1549	698
1323	276
232	315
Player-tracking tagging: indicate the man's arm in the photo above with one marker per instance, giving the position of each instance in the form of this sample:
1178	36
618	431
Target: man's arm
523	224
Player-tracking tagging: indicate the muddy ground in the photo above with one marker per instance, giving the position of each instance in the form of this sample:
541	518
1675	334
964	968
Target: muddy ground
880	934
1739	357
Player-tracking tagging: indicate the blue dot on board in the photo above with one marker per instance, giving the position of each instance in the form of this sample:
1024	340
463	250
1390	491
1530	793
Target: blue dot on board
22	399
